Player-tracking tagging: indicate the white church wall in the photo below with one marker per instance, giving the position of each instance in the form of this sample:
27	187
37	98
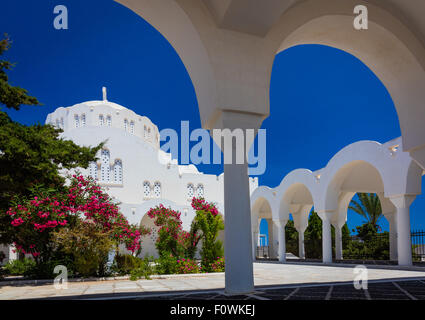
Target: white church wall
137	148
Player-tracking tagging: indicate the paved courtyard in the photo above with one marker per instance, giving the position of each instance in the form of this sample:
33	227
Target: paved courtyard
272	281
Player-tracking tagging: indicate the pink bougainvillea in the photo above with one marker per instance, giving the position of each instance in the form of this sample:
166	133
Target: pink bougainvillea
83	199
171	236
199	204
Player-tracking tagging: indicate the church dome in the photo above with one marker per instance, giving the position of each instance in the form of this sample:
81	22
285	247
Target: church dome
96	103
106	115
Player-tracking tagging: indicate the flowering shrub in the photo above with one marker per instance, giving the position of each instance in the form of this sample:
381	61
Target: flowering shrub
36	219
166	264
187	266
199	204
218	265
88	245
209	222
172	239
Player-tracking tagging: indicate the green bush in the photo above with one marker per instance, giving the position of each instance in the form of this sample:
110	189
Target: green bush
166	264
45	269
218	265
187	266
20	267
125	263
88	245
2	256
209	222
144	270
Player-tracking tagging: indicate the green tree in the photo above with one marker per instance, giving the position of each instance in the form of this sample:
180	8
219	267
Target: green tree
369	207
210	223
313	237
291	235
30	156
12	97
88	244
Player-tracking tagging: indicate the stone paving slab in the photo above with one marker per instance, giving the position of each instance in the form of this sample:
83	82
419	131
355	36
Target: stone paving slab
266	275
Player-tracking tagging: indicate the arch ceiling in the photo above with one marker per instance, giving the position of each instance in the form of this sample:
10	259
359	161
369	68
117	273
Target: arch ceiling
228	48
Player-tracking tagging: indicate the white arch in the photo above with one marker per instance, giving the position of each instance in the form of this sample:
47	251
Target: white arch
299	185
229	51
392	48
397	173
174	24
380	168
260	196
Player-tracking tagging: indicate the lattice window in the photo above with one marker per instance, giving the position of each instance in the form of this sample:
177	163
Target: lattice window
83	120
118	171
101	120
62	126
105	168
145	133
146	189
132	127
125	124
77	120
149	133
190	191
200	191
108	121
57	123
157	189
93	170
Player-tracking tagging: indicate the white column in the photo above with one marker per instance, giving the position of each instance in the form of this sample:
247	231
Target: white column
404	245
13	254
326	236
237	229
301	249
281	239
239	276
391	217
254	242
338	242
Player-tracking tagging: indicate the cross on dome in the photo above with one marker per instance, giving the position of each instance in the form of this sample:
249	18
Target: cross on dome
104	93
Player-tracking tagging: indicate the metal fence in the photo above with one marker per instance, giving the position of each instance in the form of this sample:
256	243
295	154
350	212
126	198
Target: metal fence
378	247
418	245
263	252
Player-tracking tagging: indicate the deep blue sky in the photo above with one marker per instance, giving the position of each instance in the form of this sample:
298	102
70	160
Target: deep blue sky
321	98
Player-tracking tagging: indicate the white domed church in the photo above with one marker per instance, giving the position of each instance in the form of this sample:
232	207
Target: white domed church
132	168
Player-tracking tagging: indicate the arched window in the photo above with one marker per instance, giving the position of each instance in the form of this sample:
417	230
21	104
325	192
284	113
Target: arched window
77	120
125	124
146	189
149	133
108	121
118	171
83	120
190	191
145	133
157	189
101	120
105	168
132	127
200	191
93	170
